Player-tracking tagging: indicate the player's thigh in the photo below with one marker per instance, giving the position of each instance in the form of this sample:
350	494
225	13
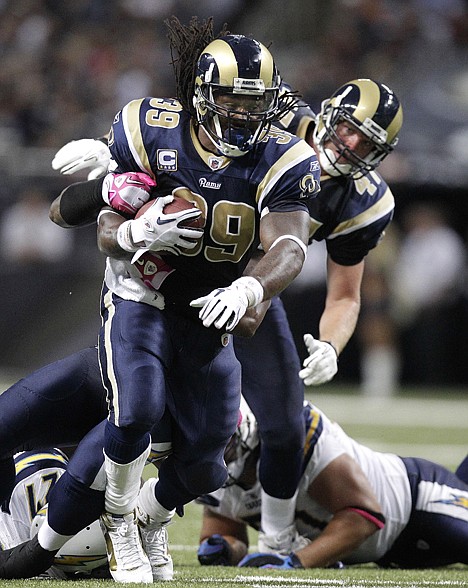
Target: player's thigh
270	380
135	350
55	405
204	392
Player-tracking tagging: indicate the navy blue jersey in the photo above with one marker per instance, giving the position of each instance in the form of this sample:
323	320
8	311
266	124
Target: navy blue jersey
350	214
281	174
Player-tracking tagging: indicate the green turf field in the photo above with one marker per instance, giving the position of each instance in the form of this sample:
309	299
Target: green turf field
423	423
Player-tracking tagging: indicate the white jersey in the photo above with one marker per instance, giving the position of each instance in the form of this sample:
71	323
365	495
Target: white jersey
36	474
325	442
137	281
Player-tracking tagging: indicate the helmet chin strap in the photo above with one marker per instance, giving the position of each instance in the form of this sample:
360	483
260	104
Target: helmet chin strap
225	147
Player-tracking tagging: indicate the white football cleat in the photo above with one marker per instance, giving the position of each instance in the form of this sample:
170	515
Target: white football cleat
282	543
155	543
127	560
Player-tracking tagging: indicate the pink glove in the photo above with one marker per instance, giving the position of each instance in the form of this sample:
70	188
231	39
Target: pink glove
127	192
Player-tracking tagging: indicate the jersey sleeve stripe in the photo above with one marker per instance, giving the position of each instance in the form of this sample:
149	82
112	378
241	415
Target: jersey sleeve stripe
313	432
297	154
381	208
314	226
132	128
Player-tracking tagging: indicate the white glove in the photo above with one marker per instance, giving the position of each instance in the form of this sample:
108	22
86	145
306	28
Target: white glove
156	231
127	192
322	363
83	154
224	307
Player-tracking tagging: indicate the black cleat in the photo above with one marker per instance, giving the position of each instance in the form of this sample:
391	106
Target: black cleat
26	560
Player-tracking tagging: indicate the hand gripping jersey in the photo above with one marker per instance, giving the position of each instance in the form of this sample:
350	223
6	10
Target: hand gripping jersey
350	214
156	136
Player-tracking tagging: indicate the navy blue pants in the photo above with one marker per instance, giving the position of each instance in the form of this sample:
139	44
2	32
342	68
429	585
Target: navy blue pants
437	532
55	406
151	359
275	393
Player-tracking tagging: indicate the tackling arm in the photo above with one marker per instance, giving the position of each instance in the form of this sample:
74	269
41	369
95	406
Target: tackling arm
222	540
343	489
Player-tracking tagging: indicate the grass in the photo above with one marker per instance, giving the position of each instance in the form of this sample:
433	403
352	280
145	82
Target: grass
422	422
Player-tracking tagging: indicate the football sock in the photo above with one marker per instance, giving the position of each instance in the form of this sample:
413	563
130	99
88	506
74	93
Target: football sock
124	445
149	505
7	481
50	539
286	461
277	513
123	483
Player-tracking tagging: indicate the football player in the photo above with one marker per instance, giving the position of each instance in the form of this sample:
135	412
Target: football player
214	146
356	128
21	516
354	505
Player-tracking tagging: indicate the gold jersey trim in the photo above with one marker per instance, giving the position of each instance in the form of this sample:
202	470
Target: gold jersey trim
382	207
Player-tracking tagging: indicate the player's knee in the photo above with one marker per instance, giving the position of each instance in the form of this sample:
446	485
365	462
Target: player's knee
203	477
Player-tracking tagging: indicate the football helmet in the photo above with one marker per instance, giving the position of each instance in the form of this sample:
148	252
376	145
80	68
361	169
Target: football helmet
371	107
242	443
82	554
236	93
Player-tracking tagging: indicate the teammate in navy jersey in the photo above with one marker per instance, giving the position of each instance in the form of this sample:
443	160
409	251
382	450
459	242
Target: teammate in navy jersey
354	504
171	343
355	129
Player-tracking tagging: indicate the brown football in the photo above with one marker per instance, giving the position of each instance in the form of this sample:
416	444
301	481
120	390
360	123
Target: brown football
175	206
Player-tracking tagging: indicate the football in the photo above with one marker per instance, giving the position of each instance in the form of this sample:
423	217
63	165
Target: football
176	205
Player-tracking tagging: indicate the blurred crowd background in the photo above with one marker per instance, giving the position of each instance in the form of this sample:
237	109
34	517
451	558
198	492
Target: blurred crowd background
69	66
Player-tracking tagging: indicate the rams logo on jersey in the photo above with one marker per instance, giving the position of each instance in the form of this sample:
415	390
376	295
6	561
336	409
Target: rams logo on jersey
308	186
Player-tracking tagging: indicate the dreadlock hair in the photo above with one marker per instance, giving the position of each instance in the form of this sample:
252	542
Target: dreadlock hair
186	44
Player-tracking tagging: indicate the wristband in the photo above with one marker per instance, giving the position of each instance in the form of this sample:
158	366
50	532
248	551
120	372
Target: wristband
253	289
124	237
332	346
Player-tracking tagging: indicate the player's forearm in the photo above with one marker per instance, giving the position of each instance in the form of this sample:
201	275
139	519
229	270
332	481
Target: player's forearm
78	204
283	237
343	535
237	549
278	268
108	225
338	322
